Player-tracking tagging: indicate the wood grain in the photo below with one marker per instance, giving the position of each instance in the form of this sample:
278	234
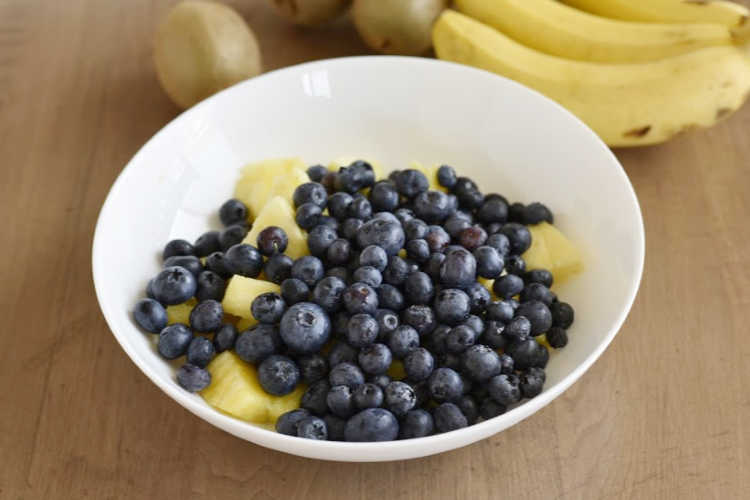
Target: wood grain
663	414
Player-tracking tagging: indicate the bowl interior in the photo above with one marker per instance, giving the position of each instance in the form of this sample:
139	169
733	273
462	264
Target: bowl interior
509	139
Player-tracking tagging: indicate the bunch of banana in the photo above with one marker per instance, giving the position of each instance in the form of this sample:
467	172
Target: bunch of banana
647	71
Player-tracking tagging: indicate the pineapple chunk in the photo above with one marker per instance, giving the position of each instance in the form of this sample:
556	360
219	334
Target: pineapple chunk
275	164
430	173
254	177
270	183
241	292
180	313
396	371
235	390
245	323
551	250
377	167
278	212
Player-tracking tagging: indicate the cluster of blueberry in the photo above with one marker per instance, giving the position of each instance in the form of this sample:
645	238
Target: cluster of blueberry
426	310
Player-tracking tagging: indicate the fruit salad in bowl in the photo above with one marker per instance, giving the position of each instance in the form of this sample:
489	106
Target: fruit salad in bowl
368	310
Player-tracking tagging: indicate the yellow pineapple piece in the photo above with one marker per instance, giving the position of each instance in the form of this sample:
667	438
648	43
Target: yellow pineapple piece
488	285
377	167
278	212
241	292
270	184
257	179
551	250
235	390
396	370
180	313
245	323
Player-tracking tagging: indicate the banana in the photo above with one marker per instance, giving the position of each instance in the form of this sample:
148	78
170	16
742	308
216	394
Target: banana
557	29
667	11
626	104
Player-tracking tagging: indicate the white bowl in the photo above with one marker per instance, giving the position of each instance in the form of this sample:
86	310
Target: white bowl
508	138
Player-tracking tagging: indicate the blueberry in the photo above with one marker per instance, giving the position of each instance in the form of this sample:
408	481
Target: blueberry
470	199
312	368
278	375
418	250
218	263
418	288
308	215
328	221
479	297
491	409
562	314
360	208
287	422
231	236
338	272
150	289
367	396
535	212
327	293
538	314
362	330
256	344
421	318
450	360
372	424
383	196
305	327
200	351
493	210
308	269
399	398
396	271
210	286
538	276
375	359
347	374
341	353
459	269
437	238
505	389
174	285
500	311
310	192
174	340
278	268
404	214
518	235
519	328
460	338
411	182
446	176
193	378
316	172
150	315
436	340
493	334
469	407
177	247
340	401
481	363
268	307
319	239
390	297
499	242
338	204
532	382
312	428
314	398
527	353
507	286
189	262
244	260
207	316
557	337
455	225
445	384
388	235
356	176
538	292
432	206
360	298
451	306
335	426
373	256
368	275
506	364
340	324
225	337
514	264
381	380
448	417
472	237
415	229
493	228
272	240
207	243
294	291
232	212
350	227
489	262
404	339
432	267
419	364
516	212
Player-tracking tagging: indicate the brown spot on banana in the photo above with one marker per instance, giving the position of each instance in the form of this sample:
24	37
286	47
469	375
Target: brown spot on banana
638	132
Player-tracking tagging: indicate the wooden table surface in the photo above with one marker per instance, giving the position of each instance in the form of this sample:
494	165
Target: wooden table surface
664	413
